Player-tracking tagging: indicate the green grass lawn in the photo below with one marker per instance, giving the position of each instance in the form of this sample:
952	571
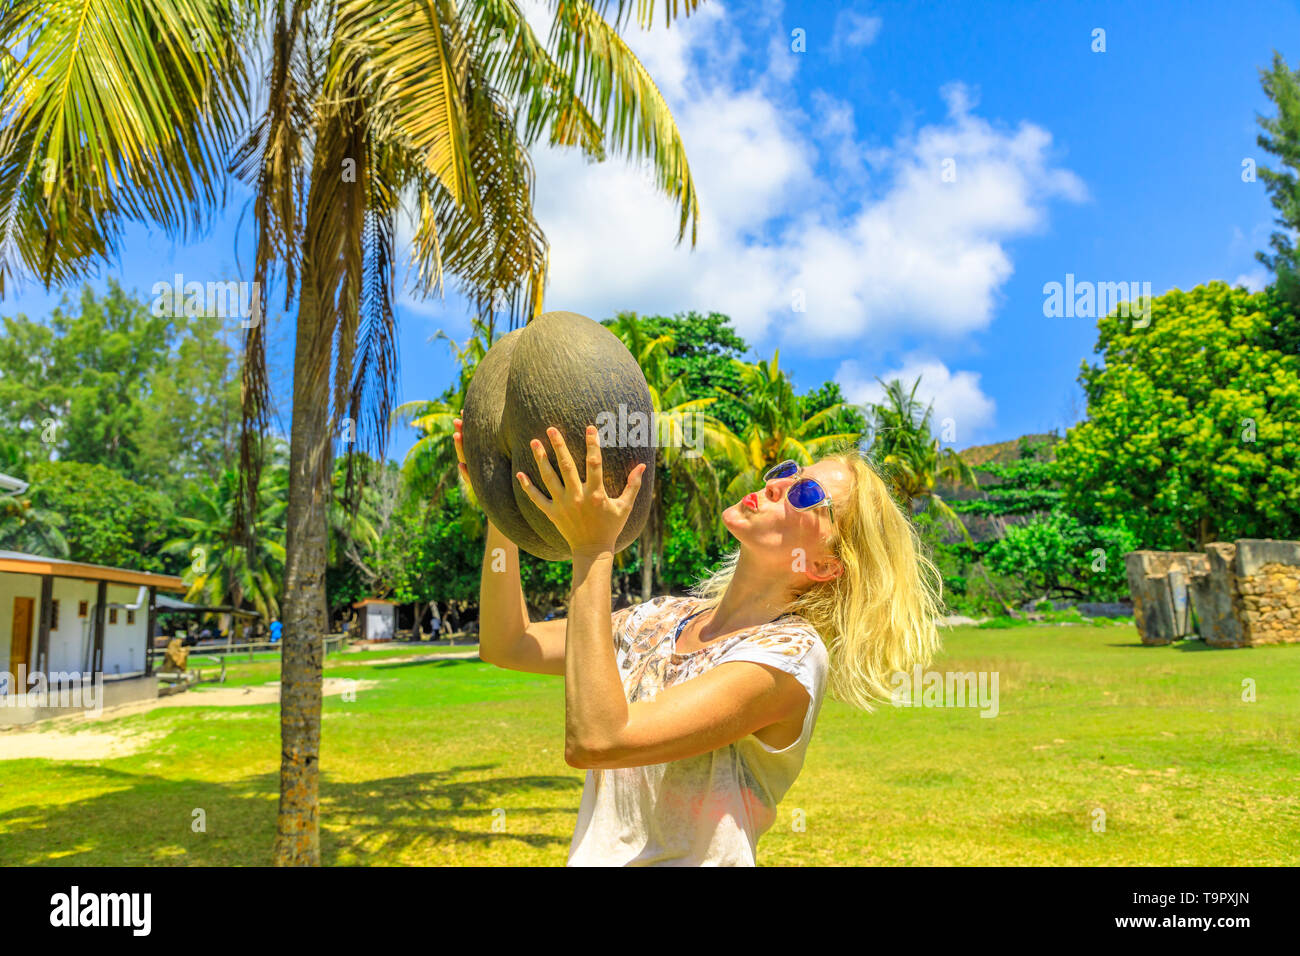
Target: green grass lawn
456	762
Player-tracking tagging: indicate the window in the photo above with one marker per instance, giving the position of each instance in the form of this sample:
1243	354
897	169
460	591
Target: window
130	617
112	615
54	615
82	608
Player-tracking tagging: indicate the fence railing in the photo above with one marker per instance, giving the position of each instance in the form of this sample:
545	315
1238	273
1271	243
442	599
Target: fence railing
332	642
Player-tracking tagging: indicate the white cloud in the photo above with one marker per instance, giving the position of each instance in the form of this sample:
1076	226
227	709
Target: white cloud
854	29
956	395
912	253
1255	280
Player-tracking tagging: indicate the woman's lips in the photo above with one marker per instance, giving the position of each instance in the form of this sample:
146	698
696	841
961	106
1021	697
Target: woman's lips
750	500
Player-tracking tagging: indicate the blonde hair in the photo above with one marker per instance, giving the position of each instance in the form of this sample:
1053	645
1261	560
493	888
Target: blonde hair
880	616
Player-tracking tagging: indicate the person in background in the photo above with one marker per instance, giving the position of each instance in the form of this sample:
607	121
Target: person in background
275	631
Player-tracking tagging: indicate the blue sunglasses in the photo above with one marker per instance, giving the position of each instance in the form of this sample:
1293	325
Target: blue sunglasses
803	494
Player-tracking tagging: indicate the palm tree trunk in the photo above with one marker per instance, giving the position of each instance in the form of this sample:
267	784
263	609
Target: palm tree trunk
305	615
646	547
650	541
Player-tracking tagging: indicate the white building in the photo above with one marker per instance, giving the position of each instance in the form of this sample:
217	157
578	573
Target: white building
378	619
67	617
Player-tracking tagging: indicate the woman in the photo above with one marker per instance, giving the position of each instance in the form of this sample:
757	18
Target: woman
692	715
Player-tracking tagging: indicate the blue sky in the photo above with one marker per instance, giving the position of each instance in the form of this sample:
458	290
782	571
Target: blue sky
821	176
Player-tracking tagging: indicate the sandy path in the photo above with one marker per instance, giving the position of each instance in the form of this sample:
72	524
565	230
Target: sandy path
57	739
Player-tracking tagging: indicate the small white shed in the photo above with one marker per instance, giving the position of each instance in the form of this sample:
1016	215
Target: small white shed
377	619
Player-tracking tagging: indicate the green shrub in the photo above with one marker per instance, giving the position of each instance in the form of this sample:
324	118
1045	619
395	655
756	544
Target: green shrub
1003	621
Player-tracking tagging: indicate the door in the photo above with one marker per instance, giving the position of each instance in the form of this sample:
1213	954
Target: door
20	637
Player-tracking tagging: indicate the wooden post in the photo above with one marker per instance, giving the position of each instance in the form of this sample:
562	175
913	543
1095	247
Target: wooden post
97	655
45	617
150	620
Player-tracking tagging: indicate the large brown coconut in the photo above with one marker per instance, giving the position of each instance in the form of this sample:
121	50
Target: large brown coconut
563	370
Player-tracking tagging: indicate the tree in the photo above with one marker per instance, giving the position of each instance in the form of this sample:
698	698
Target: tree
1281	137
430	465
912	461
105	381
1193	425
105	518
704	347
776	428
30	529
1028	486
848	419
691	445
356	535
219	570
369	102
1056	555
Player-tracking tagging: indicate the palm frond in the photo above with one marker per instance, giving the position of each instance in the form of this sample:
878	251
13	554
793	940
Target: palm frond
623	98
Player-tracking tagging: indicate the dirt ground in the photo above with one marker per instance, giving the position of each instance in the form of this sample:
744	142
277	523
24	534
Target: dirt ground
66	738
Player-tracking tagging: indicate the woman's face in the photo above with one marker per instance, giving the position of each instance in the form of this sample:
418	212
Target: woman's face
769	527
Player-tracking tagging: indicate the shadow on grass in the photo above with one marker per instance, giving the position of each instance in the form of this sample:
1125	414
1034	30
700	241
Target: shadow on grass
1175	645
454	662
146	820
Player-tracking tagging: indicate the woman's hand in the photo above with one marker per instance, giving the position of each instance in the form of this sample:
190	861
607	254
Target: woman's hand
583	513
459	440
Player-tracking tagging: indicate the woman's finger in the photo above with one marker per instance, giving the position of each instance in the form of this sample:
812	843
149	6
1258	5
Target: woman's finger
633	486
549	478
595	466
535	496
567	468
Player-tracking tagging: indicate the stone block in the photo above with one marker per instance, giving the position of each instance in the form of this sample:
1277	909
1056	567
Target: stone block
1254	553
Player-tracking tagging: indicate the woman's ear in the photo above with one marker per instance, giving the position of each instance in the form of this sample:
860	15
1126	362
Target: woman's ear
826	569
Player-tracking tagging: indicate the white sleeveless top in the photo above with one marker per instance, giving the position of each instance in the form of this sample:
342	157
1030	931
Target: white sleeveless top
707	810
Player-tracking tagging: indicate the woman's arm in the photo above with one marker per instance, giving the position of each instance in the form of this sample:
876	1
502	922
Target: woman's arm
507	638
601	729
595	706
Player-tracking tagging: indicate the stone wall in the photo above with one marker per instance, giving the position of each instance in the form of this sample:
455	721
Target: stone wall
1159	582
1244	594
1216	598
1268	585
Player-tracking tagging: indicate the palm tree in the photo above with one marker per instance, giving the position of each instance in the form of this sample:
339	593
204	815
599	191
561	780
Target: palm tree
430	465
351	527
776	428
899	420
690	445
912	459
221	570
25	527
117	112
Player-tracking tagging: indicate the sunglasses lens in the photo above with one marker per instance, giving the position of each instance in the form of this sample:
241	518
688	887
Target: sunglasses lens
783	470
805	494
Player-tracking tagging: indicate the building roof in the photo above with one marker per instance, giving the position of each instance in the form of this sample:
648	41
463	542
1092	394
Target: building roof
165	603
16	562
374	601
